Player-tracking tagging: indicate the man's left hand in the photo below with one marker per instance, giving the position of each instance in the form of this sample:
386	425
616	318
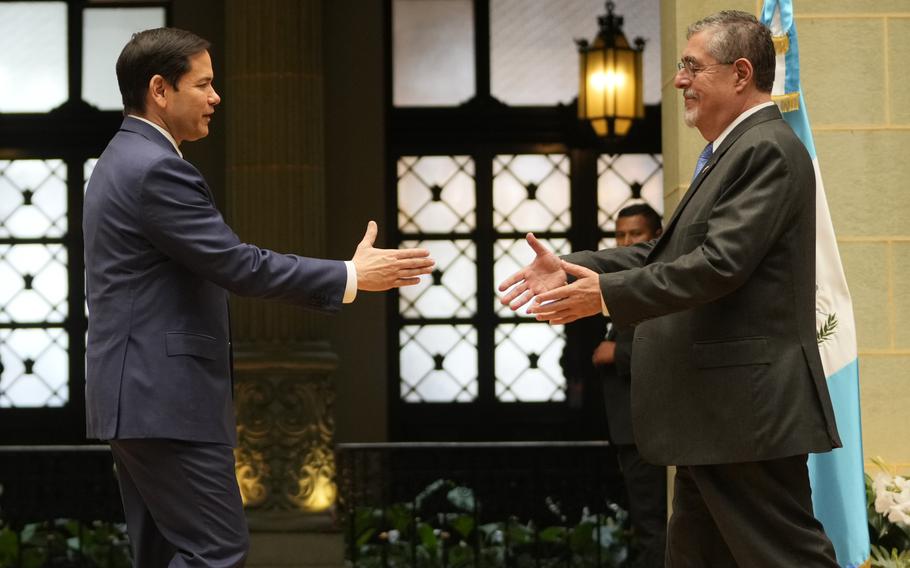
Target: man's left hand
571	302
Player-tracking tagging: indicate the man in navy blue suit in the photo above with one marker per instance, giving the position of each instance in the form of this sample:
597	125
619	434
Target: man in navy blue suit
160	262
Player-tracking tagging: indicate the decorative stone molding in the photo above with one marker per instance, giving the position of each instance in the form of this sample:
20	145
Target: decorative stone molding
285	460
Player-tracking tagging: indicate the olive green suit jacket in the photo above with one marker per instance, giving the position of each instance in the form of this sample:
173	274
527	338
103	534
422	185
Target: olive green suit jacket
725	363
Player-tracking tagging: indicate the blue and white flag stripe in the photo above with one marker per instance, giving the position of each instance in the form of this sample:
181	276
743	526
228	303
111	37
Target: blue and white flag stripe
838	486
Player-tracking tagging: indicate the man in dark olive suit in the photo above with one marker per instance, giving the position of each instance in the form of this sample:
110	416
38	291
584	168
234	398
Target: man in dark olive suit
160	262
727	382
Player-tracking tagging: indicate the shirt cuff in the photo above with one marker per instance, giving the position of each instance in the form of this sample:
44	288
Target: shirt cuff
350	289
603	306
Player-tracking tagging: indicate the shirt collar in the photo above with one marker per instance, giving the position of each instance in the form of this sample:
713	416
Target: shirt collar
746	114
161	130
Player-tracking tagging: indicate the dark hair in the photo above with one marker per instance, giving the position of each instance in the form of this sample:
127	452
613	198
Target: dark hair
161	51
735	35
652	218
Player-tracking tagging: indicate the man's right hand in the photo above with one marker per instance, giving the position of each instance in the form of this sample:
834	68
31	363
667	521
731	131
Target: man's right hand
604	354
545	273
382	269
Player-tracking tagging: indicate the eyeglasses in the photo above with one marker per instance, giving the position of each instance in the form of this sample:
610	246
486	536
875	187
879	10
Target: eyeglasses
693	69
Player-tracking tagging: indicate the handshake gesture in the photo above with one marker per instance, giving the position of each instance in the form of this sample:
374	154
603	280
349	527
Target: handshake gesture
383	269
544	283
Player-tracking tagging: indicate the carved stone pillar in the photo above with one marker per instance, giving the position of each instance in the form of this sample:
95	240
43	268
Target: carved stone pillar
285	463
276	198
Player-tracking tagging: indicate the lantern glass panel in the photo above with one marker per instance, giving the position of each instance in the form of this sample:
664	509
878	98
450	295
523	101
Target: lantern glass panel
624	73
596	95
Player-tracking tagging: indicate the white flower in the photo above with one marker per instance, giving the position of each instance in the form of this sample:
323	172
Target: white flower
883	497
900	515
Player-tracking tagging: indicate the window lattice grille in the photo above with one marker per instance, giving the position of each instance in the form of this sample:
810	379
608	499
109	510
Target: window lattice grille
527	363
436	194
437	198
531	193
624	179
451	292
35	367
32	198
438	363
34	283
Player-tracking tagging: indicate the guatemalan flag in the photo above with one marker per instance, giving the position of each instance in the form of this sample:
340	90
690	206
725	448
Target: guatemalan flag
838	486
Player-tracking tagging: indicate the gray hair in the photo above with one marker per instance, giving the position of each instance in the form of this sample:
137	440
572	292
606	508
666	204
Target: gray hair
736	35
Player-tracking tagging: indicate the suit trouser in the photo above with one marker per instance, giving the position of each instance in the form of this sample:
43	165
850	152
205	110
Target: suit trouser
646	485
755	514
182	504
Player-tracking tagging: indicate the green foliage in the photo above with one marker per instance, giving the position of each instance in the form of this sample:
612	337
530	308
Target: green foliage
441	528
63	543
896	559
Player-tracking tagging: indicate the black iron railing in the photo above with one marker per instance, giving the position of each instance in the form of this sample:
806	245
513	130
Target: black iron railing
60	506
518	504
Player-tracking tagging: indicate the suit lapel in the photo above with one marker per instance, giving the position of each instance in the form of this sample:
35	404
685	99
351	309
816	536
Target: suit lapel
764	115
151	134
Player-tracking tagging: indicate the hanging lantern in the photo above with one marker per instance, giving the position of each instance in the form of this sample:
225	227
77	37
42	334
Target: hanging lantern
611	78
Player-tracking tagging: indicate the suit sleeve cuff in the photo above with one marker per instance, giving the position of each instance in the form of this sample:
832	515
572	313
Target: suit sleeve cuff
350	288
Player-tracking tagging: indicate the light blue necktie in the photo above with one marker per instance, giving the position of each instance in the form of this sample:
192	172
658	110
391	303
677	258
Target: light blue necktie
703	159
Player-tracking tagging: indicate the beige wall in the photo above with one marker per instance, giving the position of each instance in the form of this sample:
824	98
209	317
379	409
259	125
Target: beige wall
854	58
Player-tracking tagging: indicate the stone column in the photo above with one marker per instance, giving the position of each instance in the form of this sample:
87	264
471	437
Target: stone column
275	198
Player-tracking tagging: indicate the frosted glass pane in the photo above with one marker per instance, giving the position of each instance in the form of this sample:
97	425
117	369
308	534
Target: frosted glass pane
438	363
33	283
531	193
35	367
106	31
533	56
32	198
625	179
527	363
436	194
33	76
451	291
433	52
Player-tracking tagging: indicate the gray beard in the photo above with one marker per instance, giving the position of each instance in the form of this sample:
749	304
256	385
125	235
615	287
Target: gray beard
689	117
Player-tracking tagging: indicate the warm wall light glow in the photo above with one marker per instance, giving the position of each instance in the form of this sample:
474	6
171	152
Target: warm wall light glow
250	468
608	81
317	494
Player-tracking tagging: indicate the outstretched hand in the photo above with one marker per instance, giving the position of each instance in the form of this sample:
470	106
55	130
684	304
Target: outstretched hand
544	273
580	299
382	269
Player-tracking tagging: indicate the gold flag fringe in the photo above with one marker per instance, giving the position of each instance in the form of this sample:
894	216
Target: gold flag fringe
788	102
781	44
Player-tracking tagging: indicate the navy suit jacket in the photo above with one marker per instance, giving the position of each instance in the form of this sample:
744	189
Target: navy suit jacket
160	262
725	364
